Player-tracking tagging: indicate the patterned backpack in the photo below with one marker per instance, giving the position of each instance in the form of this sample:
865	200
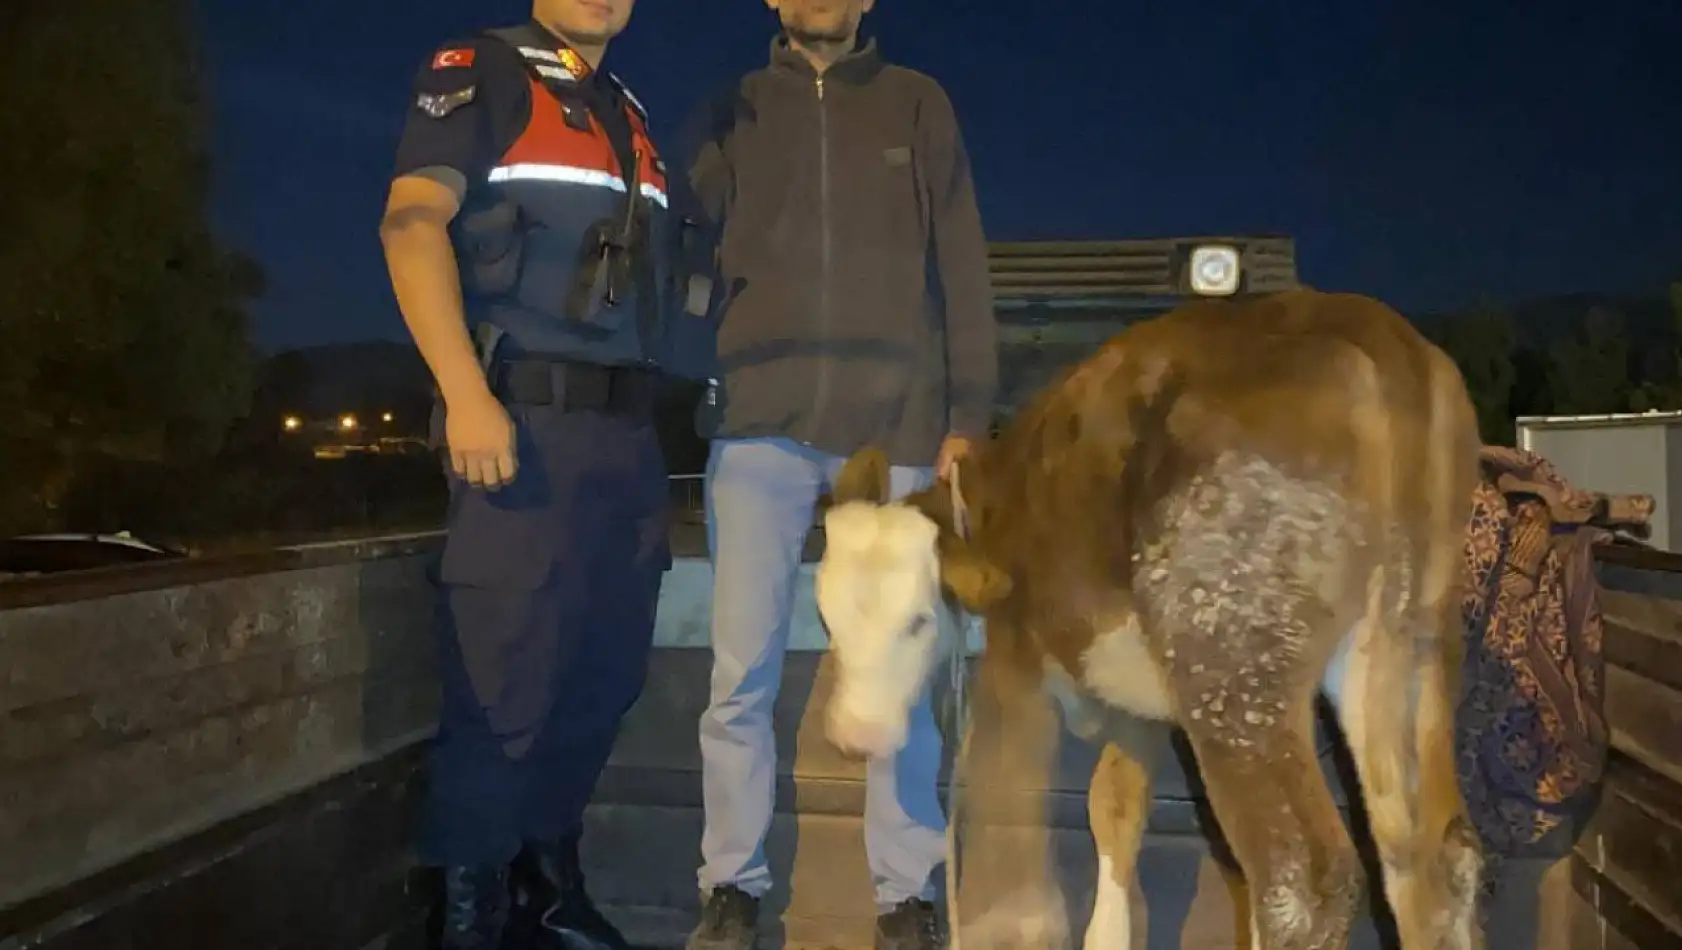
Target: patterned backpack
1531	724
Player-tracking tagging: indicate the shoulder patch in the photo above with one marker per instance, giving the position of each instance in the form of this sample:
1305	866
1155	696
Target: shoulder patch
454	58
440	105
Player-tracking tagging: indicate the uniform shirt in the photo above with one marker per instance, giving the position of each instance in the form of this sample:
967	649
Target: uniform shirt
462	146
471	127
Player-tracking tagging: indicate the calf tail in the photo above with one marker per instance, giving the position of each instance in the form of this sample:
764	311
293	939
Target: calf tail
1451	455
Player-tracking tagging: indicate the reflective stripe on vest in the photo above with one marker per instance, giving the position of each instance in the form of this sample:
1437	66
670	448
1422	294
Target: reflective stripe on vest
573	174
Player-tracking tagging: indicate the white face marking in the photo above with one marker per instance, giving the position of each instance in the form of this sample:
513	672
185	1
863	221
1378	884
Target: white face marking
1120	671
1111	927
878	593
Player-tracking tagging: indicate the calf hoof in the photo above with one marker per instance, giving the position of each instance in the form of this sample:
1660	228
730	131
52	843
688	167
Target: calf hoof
1026	921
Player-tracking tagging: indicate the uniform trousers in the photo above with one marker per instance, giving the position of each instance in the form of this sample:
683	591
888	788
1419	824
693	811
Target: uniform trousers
547	590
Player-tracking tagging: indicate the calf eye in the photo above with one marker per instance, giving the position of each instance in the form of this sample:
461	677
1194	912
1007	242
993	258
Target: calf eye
922	625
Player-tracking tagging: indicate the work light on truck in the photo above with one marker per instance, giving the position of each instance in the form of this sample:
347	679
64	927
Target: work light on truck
1214	270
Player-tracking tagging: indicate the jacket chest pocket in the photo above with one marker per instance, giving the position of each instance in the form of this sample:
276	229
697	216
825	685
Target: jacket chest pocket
883	186
887	170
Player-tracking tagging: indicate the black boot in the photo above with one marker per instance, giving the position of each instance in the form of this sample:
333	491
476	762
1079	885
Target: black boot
911	925
551	909
475	908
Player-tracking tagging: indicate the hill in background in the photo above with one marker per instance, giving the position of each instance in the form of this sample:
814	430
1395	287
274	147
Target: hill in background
1542	321
379	376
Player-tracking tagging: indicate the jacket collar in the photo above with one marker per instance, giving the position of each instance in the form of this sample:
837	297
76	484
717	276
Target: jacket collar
863	62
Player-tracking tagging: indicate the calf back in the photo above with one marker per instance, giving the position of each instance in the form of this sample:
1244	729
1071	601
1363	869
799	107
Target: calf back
1221	405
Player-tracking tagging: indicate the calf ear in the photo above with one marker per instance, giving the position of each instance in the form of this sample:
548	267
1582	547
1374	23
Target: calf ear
863	478
972	579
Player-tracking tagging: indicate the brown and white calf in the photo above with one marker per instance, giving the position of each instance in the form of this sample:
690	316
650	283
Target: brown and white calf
1223	512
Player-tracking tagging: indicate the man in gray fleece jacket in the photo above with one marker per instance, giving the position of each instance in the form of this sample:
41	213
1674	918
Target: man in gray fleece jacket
831	199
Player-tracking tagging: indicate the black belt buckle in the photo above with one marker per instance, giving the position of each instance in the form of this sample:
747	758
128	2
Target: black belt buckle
573	387
526	382
585	386
630	391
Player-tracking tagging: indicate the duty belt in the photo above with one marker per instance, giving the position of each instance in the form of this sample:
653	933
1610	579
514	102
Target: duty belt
574	386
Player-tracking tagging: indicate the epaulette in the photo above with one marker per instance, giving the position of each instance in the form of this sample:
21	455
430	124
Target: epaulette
624	90
539	60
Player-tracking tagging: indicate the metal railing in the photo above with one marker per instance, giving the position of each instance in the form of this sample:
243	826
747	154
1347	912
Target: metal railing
689	503
689	500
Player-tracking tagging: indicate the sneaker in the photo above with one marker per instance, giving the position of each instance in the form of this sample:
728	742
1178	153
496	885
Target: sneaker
912	925
729	921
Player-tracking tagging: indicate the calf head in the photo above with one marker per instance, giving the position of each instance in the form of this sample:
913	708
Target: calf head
887	567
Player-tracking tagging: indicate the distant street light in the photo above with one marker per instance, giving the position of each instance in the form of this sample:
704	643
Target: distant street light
347	422
385	417
291	423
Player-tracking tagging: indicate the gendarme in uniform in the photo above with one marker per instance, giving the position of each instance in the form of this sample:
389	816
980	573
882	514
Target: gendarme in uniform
548	586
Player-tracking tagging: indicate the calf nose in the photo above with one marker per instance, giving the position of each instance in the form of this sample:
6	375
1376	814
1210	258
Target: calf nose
858	736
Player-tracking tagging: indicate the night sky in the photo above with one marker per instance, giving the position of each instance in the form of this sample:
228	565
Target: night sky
1428	154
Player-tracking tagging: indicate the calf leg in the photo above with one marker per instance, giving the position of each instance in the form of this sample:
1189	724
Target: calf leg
1265	784
1007	890
1117	806
1396	707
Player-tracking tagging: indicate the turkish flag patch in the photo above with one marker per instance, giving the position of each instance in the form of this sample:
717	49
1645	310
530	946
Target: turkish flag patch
448	58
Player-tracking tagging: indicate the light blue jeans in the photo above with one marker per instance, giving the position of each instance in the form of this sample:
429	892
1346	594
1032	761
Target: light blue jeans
760	497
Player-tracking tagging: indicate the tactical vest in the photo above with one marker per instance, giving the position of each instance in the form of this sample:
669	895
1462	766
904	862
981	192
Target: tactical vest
559	247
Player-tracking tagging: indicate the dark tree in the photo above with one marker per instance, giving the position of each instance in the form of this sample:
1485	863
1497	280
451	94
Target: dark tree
1589	371
1482	342
124	337
1661	380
